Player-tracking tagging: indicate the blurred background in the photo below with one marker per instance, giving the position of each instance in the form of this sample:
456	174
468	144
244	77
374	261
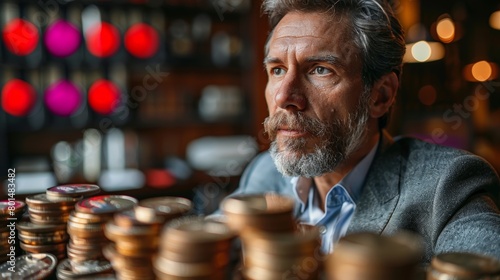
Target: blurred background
165	97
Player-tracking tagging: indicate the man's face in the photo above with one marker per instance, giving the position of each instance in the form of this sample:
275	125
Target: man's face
317	116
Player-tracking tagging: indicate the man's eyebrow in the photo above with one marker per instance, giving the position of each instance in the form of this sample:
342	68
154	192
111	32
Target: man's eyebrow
268	60
329	58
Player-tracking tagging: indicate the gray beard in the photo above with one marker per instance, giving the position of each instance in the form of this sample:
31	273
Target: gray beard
340	141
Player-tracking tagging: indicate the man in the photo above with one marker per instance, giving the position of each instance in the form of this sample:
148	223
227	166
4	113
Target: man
333	72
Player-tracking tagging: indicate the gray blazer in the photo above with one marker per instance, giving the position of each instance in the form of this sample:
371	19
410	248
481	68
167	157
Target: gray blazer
448	196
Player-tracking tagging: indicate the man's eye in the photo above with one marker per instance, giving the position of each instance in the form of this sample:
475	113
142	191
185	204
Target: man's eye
320	70
278	71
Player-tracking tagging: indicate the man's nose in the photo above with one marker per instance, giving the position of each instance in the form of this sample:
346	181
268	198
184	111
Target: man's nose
290	95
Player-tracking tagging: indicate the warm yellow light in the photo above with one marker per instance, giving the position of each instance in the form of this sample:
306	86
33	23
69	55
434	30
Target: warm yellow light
482	71
445	29
421	51
495	20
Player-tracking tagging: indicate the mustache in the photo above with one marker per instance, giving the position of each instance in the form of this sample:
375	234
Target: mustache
294	121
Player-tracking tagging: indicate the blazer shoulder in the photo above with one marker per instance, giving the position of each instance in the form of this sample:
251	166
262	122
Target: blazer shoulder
429	164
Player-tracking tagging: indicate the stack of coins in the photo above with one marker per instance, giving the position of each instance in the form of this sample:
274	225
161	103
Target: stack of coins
86	225
48	238
376	257
136	237
10	212
271	245
261	212
194	248
464	266
294	255
168	208
47	212
30	266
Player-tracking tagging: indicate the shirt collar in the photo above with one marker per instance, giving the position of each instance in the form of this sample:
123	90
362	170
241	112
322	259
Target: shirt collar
352	182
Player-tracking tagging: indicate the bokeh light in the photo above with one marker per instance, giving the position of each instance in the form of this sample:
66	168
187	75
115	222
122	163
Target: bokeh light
104	96
20	37
445	30
63	98
421	51
481	71
427	95
142	40
62	38
495	20
18	97
103	39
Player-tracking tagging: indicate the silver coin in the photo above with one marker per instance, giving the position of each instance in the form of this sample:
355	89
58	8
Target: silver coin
105	204
71	269
14	206
73	190
30	266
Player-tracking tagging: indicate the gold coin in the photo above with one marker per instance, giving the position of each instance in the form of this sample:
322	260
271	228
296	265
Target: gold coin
139	217
274	263
375	256
58	233
42	240
367	247
151	244
251	204
257	273
88	218
109	251
37	228
135	252
181	269
194	249
264	212
273	222
88	255
283	243
114	232
168	207
61	218
85	231
88	244
41	202
51	248
218	259
51	212
218	275
196	230
85	241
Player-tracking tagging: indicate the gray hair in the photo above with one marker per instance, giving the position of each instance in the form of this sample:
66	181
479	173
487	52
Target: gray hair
376	31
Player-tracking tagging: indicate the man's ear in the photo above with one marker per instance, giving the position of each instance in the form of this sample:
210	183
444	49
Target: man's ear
383	94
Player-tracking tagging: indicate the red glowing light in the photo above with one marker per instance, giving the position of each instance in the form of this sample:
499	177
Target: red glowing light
18	97
20	37
142	40
103	39
104	96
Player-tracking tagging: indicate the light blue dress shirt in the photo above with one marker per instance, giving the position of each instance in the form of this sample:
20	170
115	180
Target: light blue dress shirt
340	202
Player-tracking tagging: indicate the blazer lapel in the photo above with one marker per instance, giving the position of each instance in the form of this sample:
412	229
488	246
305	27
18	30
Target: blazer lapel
381	191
